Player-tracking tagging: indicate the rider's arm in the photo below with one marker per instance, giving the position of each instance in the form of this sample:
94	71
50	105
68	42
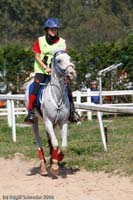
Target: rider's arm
37	51
41	63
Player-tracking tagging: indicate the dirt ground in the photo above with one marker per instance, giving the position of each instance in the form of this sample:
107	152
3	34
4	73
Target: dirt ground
20	179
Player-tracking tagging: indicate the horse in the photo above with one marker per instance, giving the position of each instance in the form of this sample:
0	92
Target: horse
55	110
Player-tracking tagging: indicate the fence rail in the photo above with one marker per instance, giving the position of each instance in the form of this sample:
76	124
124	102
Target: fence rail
85	97
89	93
11	111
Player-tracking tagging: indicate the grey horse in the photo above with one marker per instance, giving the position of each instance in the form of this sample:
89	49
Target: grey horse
55	109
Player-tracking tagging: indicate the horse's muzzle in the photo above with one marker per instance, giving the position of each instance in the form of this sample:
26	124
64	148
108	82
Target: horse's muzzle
71	73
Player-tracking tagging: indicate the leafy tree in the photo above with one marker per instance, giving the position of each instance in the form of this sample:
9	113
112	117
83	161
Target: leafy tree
98	33
95	57
82	21
22	20
127	55
16	65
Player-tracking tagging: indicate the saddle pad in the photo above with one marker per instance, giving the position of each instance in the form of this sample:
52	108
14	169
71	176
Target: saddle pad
40	91
39	95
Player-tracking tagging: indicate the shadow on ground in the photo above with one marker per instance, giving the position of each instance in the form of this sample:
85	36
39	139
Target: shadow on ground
63	171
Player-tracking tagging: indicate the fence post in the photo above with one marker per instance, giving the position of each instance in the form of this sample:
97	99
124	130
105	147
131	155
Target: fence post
78	100
99	116
9	117
13	121
89	113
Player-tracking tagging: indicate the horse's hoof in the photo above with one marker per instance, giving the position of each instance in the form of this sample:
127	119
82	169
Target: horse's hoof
54	169
43	169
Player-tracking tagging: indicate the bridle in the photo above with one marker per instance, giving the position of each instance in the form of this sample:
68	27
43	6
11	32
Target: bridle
62	72
55	65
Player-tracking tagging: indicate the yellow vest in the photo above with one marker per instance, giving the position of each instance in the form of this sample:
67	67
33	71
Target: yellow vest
48	50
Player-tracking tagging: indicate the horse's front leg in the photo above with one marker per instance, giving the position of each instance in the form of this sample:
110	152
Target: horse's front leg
53	146
64	128
43	169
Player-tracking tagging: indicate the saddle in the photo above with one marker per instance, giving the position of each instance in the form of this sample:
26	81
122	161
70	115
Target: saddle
39	95
40	91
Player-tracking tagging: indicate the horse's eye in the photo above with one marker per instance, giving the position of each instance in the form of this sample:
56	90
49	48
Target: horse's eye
59	61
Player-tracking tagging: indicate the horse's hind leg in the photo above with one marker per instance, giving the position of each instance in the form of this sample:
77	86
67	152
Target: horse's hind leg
43	169
54	162
49	143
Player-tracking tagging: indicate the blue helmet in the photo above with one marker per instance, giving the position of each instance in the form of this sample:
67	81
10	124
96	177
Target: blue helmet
51	23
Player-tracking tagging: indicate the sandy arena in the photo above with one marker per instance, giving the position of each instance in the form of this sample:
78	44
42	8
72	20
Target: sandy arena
20	179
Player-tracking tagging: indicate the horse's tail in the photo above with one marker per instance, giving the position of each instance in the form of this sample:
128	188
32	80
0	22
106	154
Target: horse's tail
27	83
26	89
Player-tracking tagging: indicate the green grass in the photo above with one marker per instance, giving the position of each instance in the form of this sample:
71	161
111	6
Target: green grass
85	149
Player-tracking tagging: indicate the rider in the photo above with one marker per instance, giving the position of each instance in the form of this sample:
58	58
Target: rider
44	48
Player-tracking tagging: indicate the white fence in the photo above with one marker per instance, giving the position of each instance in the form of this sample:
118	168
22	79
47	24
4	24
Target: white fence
87	106
10	111
85	97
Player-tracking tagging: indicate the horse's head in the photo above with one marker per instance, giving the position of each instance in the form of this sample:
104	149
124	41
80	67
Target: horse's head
63	65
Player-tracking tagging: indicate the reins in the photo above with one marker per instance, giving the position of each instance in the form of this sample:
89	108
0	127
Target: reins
56	84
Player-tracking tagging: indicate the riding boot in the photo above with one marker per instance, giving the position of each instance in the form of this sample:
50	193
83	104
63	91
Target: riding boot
74	116
31	118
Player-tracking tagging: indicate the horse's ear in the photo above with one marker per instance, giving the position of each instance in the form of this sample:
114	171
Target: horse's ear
74	67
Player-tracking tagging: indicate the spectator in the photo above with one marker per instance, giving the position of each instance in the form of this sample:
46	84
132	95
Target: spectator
94	87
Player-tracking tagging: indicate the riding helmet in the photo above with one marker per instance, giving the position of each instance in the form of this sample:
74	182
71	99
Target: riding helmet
51	23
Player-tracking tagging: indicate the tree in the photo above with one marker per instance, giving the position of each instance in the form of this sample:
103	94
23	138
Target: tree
22	20
82	22
15	67
93	29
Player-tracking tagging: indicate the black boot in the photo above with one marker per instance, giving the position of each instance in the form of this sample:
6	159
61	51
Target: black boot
74	116
30	118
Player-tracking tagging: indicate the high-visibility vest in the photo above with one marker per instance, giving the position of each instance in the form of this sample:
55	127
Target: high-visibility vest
48	51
